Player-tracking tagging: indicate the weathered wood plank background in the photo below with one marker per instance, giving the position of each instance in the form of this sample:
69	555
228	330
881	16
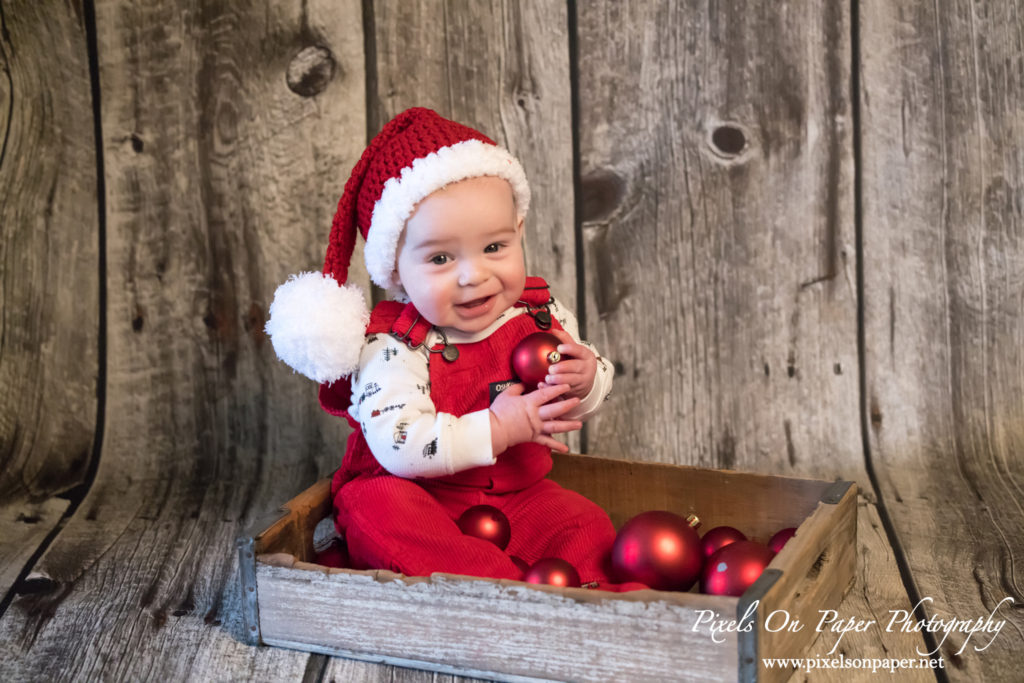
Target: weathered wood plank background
943	216
794	227
720	280
49	277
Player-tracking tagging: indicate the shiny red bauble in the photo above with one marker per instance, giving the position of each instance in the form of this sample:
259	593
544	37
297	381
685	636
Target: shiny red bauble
486	522
553	571
719	537
781	538
659	549
733	568
533	356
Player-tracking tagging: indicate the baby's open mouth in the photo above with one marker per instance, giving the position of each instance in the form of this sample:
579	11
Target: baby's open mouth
475	302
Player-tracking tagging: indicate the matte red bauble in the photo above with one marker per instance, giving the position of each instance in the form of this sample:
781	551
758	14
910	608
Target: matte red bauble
781	538
733	568
660	549
533	356
719	537
553	571
334	555
486	522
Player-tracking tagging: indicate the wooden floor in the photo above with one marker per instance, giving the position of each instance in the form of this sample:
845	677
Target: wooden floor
796	228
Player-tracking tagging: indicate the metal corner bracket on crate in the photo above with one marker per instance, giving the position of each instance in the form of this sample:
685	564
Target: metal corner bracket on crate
747	611
246	545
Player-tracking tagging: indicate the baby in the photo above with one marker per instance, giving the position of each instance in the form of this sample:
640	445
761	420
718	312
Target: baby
439	424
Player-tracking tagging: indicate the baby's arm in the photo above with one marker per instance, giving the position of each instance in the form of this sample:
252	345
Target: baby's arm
391	400
584	367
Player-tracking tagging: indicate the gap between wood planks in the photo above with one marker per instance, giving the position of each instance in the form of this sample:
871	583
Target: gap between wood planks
913	593
572	29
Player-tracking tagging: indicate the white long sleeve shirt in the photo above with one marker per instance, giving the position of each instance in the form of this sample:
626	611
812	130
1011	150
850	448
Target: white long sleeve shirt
391	401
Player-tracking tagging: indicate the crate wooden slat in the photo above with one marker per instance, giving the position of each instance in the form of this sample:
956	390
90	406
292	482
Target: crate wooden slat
501	629
509	630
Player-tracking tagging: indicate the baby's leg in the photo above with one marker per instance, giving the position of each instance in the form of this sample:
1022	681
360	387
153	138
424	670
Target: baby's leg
392	523
549	521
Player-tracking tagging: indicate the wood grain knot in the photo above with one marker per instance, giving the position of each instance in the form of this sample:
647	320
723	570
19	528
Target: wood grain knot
603	191
35	585
729	140
310	71
254	322
815	568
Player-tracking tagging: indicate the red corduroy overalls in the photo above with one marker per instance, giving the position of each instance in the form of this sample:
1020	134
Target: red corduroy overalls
408	525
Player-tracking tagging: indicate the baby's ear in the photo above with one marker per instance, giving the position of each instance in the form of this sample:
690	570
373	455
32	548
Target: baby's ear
519	224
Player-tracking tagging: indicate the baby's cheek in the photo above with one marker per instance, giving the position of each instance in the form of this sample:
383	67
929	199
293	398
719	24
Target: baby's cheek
437	292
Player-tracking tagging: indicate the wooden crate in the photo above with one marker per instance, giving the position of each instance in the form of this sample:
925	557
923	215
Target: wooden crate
509	630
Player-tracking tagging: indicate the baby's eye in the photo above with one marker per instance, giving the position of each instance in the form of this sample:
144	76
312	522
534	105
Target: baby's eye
439	260
493	247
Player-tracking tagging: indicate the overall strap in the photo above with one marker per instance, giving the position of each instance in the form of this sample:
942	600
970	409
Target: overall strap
400	320
387	316
410	327
536	293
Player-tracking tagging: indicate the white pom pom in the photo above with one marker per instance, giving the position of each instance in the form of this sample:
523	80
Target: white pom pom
318	326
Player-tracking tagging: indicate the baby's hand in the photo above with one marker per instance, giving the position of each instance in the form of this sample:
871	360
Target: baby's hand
577	371
518	418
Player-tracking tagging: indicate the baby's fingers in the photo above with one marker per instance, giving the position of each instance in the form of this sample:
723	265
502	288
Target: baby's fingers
566	367
559	426
545	394
552	410
552	444
569	346
572	379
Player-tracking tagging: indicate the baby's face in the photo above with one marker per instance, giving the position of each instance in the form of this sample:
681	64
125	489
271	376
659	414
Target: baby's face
460	257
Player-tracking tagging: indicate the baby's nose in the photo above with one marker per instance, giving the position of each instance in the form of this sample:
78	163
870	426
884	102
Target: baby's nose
471	273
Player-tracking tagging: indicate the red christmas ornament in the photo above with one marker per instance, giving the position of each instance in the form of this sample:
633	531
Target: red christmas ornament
660	549
718	537
486	522
733	568
334	555
533	356
553	571
521	563
781	538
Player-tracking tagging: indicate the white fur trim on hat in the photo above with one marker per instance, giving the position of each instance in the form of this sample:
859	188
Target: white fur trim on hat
398	200
318	326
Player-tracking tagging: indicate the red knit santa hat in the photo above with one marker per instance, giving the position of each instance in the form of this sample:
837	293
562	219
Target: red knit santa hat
317	321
